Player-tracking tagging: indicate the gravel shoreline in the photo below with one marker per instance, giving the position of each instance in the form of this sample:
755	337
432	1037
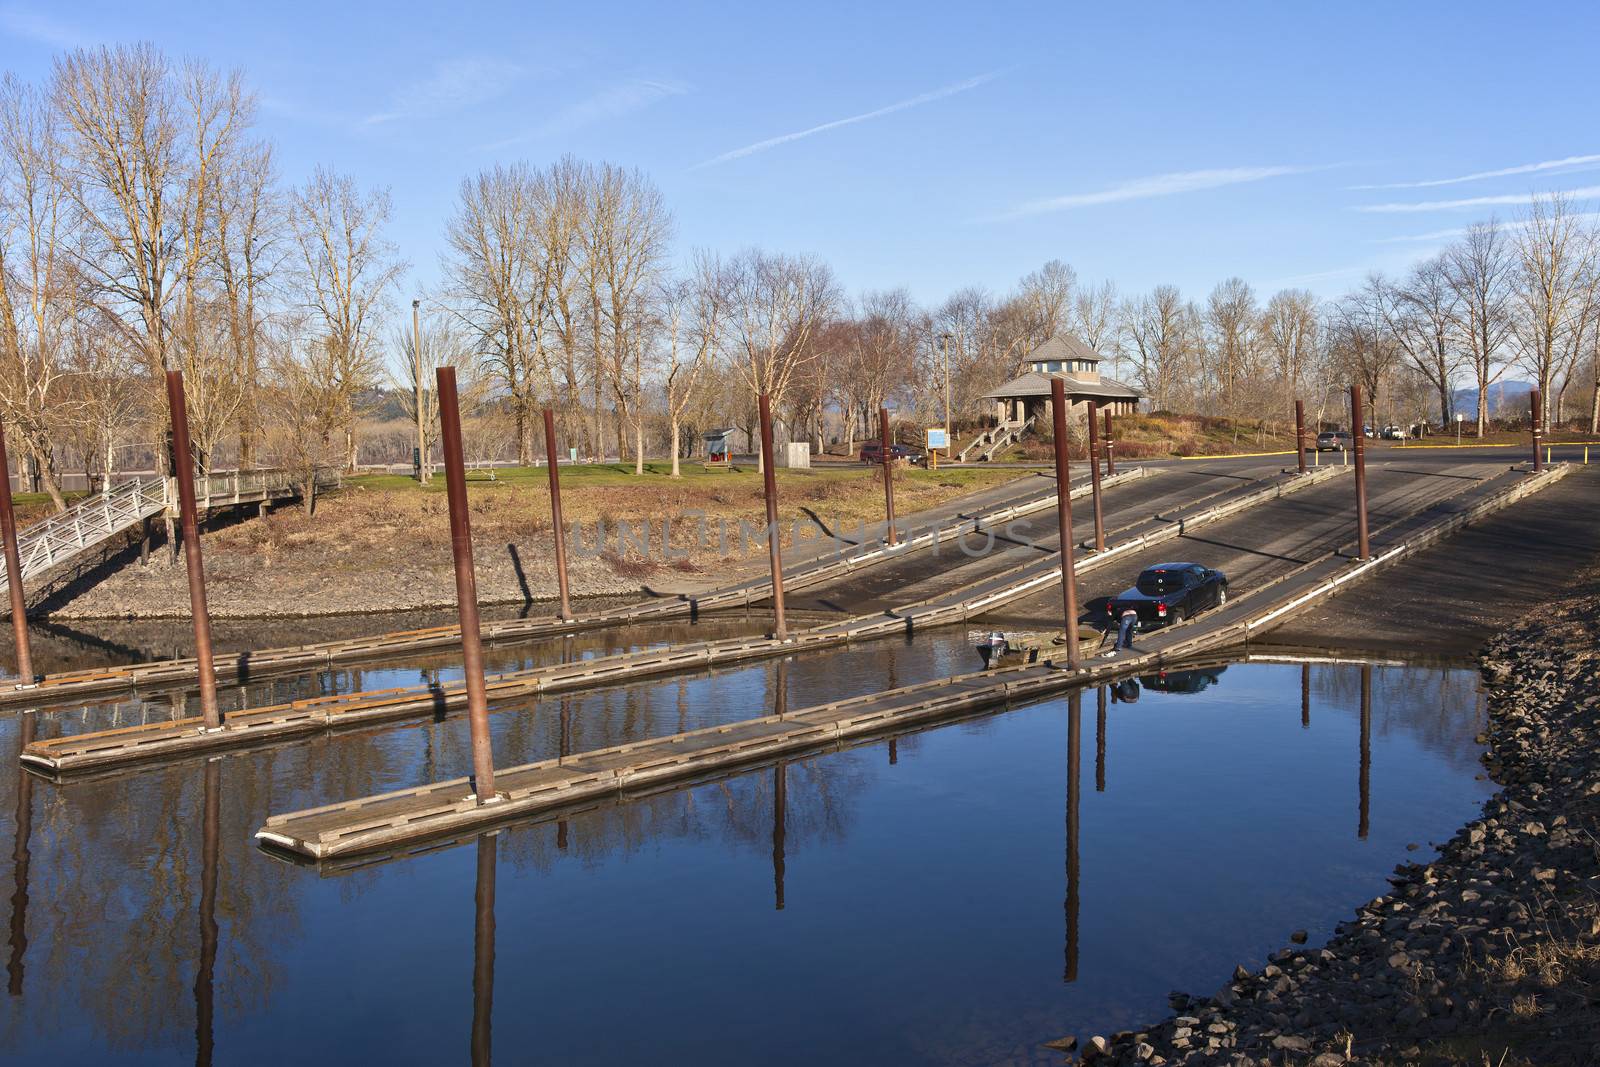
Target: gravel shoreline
1489	954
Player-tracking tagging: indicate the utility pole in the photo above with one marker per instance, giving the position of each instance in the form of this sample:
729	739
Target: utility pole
416	352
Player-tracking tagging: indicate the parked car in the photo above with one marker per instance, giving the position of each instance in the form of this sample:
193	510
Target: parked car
1171	592
1335	441
1395	433
872	452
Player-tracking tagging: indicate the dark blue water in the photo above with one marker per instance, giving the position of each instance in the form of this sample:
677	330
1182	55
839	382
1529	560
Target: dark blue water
948	897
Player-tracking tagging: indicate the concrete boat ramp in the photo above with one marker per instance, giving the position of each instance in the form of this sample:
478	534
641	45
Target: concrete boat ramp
186	737
410	819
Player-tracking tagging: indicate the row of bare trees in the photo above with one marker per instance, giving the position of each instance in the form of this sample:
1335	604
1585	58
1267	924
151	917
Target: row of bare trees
144	228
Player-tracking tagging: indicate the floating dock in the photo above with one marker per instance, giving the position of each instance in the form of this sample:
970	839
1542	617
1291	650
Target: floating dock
181	738
832	562
413	817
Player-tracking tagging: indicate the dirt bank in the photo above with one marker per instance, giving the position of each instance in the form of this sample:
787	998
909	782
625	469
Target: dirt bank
1488	954
383	544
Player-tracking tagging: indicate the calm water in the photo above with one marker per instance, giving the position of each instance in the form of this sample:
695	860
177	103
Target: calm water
958	895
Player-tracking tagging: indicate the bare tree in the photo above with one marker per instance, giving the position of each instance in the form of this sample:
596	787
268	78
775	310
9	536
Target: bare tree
348	268
305	401
777	302
37	298
251	224
1554	290
693	310
1289	332
1421	314
1479	269
1230	319
1094	316
1163	334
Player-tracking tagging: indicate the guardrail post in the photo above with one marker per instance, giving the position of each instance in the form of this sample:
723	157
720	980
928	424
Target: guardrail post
183	473
887	459
455	478
774	535
1094	477
1069	582
19	603
1534	409
557	526
1359	438
1300	435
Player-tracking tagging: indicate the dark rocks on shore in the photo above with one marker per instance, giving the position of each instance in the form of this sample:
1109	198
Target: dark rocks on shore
1493	946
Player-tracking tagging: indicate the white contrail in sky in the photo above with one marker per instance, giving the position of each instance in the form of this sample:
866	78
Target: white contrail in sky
902	105
1475	201
1563	166
1186	181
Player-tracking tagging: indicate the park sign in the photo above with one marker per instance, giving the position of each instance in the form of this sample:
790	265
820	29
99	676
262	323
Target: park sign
937	438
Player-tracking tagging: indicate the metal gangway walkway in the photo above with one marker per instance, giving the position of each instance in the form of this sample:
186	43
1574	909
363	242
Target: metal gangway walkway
96	519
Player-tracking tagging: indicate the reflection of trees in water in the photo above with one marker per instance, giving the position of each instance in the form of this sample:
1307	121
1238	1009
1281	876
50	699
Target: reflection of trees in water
1439	707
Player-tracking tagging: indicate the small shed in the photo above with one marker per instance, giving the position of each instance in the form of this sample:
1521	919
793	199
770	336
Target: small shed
719	452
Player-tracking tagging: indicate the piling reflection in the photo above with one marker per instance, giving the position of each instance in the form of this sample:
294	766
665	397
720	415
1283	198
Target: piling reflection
483	951
780	818
1100	739
20	858
1364	826
210	857
1074	762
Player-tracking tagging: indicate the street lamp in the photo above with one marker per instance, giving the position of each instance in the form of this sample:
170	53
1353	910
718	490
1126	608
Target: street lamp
948	429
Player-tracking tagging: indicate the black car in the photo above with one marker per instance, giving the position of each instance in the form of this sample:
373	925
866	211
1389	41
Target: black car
1171	592
872	452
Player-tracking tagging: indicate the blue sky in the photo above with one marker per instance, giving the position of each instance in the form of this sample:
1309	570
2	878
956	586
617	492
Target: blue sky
1153	143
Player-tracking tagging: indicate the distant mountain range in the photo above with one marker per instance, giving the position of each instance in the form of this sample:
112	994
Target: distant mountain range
1504	397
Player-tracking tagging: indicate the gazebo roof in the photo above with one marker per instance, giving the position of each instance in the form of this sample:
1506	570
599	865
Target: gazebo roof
1064	346
1035	384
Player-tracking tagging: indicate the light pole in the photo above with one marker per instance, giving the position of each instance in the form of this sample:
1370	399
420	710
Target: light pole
1459	417
416	352
949	431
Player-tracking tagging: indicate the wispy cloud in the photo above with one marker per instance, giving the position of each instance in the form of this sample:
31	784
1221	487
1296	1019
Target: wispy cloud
453	85
1155	185
865	116
610	103
1473	202
17	21
1459	231
1549	166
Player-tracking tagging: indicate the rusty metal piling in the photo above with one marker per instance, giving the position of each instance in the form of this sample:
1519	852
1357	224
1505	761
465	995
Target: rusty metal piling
1300	435
183	474
19	602
774	534
558	528
887	458
1069	582
1535	409
1094	479
1358	438
455	479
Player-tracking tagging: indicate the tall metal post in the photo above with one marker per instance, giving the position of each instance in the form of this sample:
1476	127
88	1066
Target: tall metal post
19	603
483	951
1069	581
1300	435
1094	477
455	480
183	474
1535	409
774	547
1111	446
558	528
949	430
416	352
1359	437
887	459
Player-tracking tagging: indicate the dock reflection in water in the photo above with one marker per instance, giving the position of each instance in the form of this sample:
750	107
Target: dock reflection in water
903	901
